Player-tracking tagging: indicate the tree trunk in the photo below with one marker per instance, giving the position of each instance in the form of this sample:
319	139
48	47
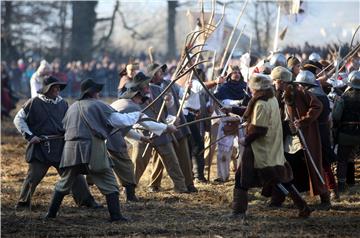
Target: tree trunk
8	50
83	24
171	21
62	15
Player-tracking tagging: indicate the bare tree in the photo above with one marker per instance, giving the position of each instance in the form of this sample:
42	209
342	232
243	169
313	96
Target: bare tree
171	40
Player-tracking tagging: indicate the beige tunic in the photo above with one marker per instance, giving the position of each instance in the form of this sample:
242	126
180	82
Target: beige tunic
268	150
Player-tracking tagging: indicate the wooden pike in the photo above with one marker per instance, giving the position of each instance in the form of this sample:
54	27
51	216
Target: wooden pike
150	52
232	34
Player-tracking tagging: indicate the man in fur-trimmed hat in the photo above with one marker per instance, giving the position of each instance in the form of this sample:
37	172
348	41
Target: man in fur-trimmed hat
263	162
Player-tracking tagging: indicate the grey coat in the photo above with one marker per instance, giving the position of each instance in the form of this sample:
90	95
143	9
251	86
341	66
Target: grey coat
153	112
116	141
77	148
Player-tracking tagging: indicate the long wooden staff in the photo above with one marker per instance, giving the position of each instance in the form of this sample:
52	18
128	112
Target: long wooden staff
232	34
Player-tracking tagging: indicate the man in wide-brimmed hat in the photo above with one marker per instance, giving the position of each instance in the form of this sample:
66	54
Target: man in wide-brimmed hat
181	147
88	122
40	122
162	144
130	101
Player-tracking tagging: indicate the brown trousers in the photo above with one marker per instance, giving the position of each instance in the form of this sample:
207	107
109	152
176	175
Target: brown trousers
123	168
183	155
168	158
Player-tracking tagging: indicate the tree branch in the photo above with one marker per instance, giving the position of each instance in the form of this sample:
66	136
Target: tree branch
105	38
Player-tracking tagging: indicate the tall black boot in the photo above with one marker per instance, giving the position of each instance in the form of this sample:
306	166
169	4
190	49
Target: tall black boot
304	210
55	204
240	203
130	193
350	173
113	204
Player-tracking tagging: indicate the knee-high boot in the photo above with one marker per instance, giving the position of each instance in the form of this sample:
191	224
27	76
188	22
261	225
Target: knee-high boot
130	193
304	210
113	204
55	204
240	203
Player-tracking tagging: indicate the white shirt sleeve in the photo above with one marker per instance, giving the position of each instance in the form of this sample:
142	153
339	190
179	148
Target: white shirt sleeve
20	123
155	127
120	120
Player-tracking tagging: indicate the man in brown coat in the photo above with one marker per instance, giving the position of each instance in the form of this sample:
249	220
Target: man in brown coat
300	110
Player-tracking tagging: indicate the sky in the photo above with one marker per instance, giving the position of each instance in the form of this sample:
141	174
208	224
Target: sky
323	21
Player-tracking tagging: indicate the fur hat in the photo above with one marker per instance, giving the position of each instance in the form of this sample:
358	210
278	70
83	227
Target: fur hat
260	82
281	73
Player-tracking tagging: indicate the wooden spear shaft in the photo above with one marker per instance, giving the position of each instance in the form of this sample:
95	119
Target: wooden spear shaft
232	34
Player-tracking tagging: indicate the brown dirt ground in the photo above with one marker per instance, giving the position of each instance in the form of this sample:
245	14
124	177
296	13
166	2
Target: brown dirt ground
162	214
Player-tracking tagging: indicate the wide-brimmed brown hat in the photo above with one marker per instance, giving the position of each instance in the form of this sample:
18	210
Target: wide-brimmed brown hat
154	67
50	81
89	86
135	86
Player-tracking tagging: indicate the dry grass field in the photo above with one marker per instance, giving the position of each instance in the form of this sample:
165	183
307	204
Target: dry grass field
161	214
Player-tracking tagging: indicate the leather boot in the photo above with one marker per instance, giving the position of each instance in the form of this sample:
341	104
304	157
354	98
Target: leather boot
240	203
130	193
325	201
304	210
91	203
113	204
277	198
341	187
55	204
350	173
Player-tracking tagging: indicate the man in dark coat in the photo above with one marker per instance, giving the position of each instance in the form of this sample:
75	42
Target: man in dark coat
346	115
308	81
300	110
39	121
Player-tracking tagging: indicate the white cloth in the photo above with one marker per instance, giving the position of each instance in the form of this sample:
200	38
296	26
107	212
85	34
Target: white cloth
121	120
155	127
193	101
20	123
35	84
225	145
